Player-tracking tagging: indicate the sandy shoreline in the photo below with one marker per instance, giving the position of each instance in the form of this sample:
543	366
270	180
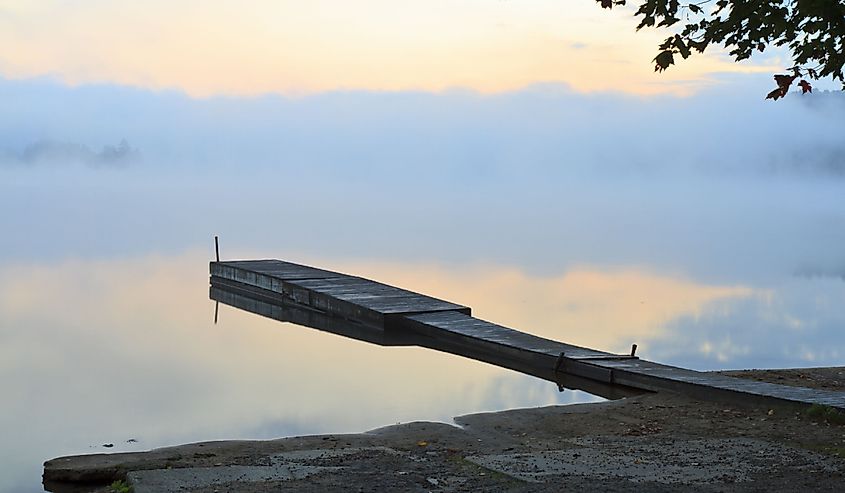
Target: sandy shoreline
653	442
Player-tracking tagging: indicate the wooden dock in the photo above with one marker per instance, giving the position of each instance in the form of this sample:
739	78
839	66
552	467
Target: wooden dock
382	314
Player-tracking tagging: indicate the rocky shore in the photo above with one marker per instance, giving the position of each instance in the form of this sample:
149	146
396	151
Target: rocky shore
652	442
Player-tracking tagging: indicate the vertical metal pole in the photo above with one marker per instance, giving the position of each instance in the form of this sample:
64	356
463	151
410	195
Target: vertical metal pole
559	362
216	308
633	350
216	251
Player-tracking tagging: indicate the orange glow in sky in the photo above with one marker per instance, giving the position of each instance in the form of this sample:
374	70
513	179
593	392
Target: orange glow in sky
293	47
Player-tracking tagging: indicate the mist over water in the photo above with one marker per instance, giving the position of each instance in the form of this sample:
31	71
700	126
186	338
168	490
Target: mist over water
710	230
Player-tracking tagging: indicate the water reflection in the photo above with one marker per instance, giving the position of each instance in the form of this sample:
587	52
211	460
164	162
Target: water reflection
95	352
315	319
602	308
102	351
796	322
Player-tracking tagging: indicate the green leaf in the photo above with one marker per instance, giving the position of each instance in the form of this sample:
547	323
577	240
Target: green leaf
683	49
663	60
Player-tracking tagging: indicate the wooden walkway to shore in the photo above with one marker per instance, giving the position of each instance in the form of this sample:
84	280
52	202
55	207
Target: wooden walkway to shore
385	313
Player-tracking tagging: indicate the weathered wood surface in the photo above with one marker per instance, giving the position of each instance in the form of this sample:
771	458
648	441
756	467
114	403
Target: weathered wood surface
388	315
341	295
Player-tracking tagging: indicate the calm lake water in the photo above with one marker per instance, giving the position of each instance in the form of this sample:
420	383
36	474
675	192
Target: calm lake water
106	331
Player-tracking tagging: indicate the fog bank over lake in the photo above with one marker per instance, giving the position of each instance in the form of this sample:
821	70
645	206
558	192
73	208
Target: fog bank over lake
469	137
539	178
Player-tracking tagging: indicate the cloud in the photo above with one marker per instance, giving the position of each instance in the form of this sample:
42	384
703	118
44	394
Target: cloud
53	152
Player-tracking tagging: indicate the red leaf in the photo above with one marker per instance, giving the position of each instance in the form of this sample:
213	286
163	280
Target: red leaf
776	94
805	86
784	81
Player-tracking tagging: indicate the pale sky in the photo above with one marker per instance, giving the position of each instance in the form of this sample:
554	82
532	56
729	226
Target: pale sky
251	47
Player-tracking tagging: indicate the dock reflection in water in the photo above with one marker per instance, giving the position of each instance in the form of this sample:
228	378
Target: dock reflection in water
315	319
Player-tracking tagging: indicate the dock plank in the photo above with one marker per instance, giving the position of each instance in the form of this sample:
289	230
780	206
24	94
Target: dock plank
346	296
283	270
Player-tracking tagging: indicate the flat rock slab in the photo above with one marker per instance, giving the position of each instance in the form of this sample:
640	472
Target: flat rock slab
281	467
661	460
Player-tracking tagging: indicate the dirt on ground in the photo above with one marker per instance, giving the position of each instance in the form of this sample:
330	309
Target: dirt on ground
814	378
653	442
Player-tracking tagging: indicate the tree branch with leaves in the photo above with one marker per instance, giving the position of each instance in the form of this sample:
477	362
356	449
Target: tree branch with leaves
812	30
